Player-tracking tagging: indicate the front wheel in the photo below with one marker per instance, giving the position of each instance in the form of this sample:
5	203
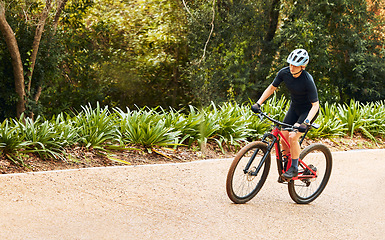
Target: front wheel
248	172
305	190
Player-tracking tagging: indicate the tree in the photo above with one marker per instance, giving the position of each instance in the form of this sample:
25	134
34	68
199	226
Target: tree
16	59
23	82
236	54
346	51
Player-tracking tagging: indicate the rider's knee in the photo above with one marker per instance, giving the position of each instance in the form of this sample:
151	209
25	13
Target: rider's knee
293	136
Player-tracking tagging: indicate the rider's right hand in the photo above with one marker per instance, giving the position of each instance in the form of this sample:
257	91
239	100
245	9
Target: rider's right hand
256	108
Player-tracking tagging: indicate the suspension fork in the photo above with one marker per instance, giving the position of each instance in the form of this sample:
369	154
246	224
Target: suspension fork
269	147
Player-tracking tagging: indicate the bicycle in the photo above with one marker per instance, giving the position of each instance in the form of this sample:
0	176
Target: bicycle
250	167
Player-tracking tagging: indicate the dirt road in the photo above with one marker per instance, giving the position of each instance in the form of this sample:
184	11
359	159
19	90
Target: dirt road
189	201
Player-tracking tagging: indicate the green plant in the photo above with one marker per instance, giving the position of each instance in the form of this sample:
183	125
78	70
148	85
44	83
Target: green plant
209	126
329	127
190	125
12	141
64	125
145	128
353	115
233	124
375	114
41	137
96	127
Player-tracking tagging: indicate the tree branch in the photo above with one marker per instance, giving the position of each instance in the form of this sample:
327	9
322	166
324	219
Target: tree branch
60	8
211	32
36	41
185	5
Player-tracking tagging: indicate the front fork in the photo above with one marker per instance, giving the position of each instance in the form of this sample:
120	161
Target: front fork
270	146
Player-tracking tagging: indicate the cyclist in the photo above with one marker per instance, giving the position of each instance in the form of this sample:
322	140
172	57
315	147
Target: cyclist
304	105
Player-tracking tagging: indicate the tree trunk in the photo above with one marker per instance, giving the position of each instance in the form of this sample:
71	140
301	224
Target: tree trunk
39	31
17	64
36	41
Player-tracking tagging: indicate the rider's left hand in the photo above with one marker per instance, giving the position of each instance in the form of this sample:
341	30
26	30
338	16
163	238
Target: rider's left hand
302	128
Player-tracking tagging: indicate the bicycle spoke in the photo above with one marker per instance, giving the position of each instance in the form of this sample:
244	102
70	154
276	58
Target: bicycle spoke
318	158
241	186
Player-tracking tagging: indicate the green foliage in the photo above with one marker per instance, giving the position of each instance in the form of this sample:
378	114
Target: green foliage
65	126
352	115
172	54
345	47
229	124
329	126
375	112
12	141
144	127
41	138
233	122
95	127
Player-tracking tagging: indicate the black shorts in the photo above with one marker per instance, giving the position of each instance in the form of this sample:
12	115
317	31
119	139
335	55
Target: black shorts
298	114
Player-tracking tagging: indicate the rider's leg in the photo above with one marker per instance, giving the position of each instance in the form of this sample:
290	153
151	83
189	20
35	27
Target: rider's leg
285	147
295	150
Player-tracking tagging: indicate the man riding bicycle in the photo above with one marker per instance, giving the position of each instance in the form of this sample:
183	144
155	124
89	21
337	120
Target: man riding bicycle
304	106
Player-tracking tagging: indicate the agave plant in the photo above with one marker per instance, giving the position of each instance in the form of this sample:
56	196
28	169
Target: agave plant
145	128
67	130
40	137
96	127
329	124
12	141
233	123
352	115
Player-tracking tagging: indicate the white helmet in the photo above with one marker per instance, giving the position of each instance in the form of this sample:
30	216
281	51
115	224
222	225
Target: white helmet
298	57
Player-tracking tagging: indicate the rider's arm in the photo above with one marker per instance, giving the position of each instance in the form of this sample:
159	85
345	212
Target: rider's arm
313	111
266	94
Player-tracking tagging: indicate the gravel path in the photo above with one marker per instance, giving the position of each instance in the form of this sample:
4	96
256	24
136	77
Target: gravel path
189	201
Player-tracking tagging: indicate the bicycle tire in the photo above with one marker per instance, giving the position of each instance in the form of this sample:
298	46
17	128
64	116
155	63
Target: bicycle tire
241	187
307	190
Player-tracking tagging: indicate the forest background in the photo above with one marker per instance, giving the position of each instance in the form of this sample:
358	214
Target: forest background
60	55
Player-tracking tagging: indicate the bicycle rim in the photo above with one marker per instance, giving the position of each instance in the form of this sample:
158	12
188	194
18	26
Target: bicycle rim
304	191
241	185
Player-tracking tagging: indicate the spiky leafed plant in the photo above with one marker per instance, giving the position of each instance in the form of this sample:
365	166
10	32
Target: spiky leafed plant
41	137
352	115
146	128
96	127
12	141
329	124
66	128
233	124
190	125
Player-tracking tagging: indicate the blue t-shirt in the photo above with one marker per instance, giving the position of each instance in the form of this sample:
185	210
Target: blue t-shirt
302	89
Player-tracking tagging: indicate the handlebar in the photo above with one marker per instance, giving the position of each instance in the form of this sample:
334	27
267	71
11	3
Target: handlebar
286	126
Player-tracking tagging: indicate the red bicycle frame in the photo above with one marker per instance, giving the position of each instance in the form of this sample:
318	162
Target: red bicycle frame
278	134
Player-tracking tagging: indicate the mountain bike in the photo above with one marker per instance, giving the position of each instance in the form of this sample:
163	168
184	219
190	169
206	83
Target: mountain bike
250	167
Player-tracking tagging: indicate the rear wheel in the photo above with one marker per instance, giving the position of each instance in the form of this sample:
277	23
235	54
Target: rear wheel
305	190
244	183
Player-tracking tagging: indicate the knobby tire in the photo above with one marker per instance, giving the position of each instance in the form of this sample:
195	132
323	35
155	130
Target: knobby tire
241	187
319	156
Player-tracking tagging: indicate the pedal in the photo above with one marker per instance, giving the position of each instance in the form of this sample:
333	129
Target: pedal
281	179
